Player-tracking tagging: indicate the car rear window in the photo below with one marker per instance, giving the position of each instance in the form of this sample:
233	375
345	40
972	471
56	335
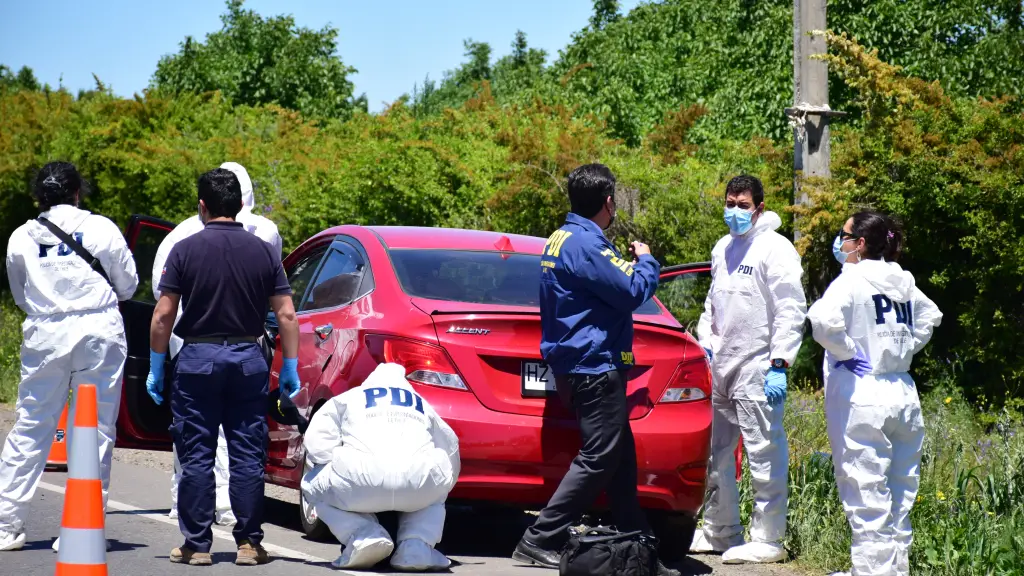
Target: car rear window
475	277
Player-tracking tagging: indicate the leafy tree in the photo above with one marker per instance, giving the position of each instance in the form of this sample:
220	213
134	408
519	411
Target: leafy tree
458	85
605	12
253	61
24	79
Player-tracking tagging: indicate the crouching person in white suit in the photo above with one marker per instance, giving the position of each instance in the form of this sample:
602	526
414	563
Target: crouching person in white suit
380	447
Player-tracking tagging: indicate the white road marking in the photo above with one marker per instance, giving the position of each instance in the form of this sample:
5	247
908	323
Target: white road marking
217	532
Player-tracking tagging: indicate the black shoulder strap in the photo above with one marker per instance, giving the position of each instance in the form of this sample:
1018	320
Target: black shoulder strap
70	242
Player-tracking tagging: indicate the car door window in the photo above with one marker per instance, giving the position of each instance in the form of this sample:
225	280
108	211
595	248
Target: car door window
684	294
339	280
147	240
301	274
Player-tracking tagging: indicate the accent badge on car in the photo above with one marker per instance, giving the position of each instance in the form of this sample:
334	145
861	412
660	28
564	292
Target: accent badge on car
461	330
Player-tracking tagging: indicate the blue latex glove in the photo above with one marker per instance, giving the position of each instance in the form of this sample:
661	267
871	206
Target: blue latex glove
155	379
775	386
859	364
288	381
709	354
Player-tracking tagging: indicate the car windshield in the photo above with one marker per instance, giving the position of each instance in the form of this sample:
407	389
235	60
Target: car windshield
475	277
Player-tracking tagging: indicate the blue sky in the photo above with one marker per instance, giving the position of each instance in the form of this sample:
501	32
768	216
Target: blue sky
393	43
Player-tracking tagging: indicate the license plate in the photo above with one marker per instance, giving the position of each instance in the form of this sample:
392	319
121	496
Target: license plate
538	380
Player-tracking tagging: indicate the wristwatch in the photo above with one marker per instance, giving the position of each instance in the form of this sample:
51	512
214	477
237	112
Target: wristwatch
780	364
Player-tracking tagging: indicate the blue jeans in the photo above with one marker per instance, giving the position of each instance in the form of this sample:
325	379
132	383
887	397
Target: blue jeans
218	385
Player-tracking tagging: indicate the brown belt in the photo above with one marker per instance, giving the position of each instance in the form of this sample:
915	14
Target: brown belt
223	340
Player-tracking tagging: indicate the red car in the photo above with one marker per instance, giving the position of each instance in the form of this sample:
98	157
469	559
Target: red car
459	309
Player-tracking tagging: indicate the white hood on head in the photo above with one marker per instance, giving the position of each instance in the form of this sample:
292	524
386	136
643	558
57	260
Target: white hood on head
385	376
889	278
243	179
66	217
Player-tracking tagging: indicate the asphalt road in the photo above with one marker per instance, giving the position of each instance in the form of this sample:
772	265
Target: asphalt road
479	542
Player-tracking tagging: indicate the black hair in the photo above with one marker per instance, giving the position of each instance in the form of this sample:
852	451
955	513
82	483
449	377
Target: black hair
883	235
746	183
590	186
221	193
57	183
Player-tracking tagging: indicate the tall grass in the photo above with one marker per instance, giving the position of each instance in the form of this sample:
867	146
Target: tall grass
969	516
10	347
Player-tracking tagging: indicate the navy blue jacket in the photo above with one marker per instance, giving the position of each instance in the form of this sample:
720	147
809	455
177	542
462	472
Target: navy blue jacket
588	293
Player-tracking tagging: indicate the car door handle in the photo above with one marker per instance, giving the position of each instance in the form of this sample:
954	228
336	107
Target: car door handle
324	331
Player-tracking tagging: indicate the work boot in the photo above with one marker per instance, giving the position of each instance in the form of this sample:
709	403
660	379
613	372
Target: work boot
10	541
415	555
529	553
189	556
702	544
755	553
666	571
251	555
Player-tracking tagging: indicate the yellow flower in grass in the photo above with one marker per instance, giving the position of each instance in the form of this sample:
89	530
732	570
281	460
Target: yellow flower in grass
949	399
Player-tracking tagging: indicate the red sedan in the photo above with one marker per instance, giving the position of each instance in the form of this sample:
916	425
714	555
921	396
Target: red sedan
459	309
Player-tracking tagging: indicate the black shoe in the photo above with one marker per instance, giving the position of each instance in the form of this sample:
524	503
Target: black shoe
529	553
666	571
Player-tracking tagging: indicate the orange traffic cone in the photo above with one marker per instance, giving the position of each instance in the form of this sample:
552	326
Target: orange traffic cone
83	542
58	459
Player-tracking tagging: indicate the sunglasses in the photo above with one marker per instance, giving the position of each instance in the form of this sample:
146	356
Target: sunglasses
844	235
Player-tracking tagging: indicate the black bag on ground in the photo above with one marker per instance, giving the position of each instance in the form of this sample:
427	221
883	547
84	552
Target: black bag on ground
604	551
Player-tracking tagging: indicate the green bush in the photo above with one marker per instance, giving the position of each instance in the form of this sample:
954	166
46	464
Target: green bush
10	348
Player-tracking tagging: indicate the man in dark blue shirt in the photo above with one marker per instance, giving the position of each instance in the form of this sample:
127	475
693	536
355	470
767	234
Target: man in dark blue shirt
588	293
224	277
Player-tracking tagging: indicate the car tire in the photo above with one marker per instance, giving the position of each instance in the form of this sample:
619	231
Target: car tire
675	532
314	528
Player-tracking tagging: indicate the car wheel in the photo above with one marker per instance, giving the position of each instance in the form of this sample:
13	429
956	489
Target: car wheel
314	528
675	532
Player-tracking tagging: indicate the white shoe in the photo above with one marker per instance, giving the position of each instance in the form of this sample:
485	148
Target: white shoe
704	545
56	545
366	550
415	555
755	553
226	518
840	574
173	514
9	541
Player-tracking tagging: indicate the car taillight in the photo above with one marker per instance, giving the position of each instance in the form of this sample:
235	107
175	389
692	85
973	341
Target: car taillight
690	382
424	363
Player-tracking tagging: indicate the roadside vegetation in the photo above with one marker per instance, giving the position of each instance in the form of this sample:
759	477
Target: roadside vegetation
676	104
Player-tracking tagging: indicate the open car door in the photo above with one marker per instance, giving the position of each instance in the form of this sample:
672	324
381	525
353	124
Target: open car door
141	423
683	290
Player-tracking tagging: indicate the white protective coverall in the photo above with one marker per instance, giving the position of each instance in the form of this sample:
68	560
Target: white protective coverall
754	313
381	447
73	335
874	421
265	230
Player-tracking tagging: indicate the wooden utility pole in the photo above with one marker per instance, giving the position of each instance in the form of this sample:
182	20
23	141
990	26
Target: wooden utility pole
810	97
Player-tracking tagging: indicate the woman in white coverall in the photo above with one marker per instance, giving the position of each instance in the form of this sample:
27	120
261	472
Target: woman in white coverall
751	330
380	447
871	321
265	230
73	335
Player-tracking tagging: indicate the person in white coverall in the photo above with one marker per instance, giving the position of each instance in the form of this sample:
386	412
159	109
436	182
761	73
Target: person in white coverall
871	321
73	334
381	447
265	230
751	330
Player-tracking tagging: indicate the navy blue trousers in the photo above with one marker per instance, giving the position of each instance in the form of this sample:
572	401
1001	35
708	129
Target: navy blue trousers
218	385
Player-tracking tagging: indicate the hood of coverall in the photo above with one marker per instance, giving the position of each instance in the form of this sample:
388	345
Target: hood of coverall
246	183
765	223
889	278
66	217
387	375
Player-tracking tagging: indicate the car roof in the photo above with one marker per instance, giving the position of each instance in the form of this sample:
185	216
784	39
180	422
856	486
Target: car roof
407	237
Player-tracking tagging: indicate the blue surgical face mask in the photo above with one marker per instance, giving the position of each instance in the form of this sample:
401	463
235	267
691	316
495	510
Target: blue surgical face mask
739	220
837	251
